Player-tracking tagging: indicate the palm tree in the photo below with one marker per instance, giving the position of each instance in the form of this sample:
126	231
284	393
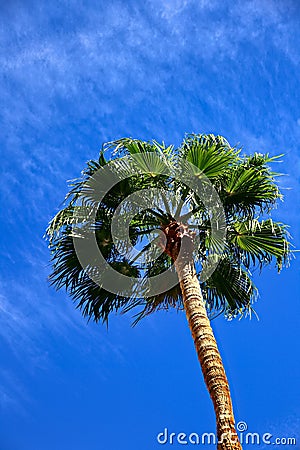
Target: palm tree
174	227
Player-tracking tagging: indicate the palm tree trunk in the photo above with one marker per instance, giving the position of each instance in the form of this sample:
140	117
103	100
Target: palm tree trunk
208	354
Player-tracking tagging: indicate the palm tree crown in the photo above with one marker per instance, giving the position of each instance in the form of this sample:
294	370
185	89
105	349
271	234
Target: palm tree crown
247	189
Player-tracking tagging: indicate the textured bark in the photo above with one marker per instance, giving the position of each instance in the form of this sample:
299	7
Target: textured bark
204	340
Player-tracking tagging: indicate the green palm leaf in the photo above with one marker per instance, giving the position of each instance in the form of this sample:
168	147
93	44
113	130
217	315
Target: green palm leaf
250	187
94	301
212	155
254	242
229	289
246	186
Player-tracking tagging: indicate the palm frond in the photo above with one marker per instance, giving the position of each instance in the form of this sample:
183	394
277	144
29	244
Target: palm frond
77	184
171	298
168	298
229	289
211	155
253	242
246	186
95	302
250	187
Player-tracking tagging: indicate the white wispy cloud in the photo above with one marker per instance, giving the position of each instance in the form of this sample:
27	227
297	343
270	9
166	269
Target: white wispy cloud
284	429
73	78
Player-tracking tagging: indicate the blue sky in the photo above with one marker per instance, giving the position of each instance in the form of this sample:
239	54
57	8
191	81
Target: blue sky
75	74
